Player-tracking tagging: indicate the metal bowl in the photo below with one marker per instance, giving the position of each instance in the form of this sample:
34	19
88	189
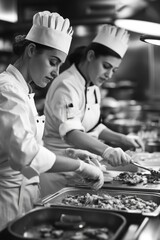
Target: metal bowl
152	146
125	126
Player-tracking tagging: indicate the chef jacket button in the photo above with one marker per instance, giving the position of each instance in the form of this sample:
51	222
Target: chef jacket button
88	108
37	121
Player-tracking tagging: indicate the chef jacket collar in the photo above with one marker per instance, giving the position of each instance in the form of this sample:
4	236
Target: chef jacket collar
86	82
18	76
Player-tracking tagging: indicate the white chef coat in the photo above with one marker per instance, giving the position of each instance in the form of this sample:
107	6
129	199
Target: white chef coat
70	105
19	147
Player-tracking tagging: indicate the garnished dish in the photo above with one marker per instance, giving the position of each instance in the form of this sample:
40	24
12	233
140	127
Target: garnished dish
134	178
106	201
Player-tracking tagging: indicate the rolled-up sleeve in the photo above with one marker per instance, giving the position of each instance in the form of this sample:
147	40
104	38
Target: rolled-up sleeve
18	134
39	164
70	125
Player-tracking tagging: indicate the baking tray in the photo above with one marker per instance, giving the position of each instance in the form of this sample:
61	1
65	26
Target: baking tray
56	199
116	223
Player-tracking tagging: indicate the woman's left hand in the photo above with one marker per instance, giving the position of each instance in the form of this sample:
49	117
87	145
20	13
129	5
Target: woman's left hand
134	142
81	154
86	156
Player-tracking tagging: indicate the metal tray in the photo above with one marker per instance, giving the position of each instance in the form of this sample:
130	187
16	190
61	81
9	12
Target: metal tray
113	221
109	182
56	199
115	184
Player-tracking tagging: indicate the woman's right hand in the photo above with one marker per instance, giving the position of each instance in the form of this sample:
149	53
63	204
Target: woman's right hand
92	175
115	157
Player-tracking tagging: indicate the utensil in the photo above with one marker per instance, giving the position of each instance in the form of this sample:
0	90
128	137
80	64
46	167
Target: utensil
152	171
68	221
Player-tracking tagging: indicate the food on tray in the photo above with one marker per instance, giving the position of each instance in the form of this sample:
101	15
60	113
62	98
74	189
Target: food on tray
47	231
131	178
134	178
106	201
43	231
92	233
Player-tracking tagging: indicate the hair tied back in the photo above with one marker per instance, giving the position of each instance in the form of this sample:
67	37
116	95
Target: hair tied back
19	38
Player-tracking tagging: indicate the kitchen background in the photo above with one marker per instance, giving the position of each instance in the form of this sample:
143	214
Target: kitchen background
130	100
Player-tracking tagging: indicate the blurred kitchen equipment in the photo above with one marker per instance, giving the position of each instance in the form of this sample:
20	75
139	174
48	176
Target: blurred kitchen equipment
152	145
120	90
125	126
120	109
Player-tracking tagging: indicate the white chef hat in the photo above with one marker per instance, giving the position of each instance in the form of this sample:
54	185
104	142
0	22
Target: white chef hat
114	38
51	29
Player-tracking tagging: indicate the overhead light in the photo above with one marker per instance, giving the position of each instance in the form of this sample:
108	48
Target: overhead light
128	8
8	11
139	26
80	31
150	39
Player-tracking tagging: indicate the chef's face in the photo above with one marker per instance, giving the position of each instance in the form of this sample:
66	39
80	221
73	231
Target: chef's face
102	68
44	67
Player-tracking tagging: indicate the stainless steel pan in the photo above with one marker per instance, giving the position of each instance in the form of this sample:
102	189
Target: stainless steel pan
56	199
48	216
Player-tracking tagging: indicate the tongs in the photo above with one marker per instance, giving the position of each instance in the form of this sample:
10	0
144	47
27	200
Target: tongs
152	171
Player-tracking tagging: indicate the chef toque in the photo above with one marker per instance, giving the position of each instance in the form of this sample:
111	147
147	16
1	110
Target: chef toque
52	30
114	38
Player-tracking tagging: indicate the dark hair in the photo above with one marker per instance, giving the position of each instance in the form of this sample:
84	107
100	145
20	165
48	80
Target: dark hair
79	54
20	43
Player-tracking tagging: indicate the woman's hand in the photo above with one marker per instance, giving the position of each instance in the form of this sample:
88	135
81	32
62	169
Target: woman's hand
115	157
82	154
92	175
133	142
85	156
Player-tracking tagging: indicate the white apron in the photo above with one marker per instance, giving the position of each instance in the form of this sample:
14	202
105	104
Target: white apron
16	200
91	116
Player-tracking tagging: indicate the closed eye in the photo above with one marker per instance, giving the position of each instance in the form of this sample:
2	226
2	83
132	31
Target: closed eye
107	66
54	63
115	70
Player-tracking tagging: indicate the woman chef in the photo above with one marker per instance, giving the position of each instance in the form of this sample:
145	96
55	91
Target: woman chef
72	107
22	156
